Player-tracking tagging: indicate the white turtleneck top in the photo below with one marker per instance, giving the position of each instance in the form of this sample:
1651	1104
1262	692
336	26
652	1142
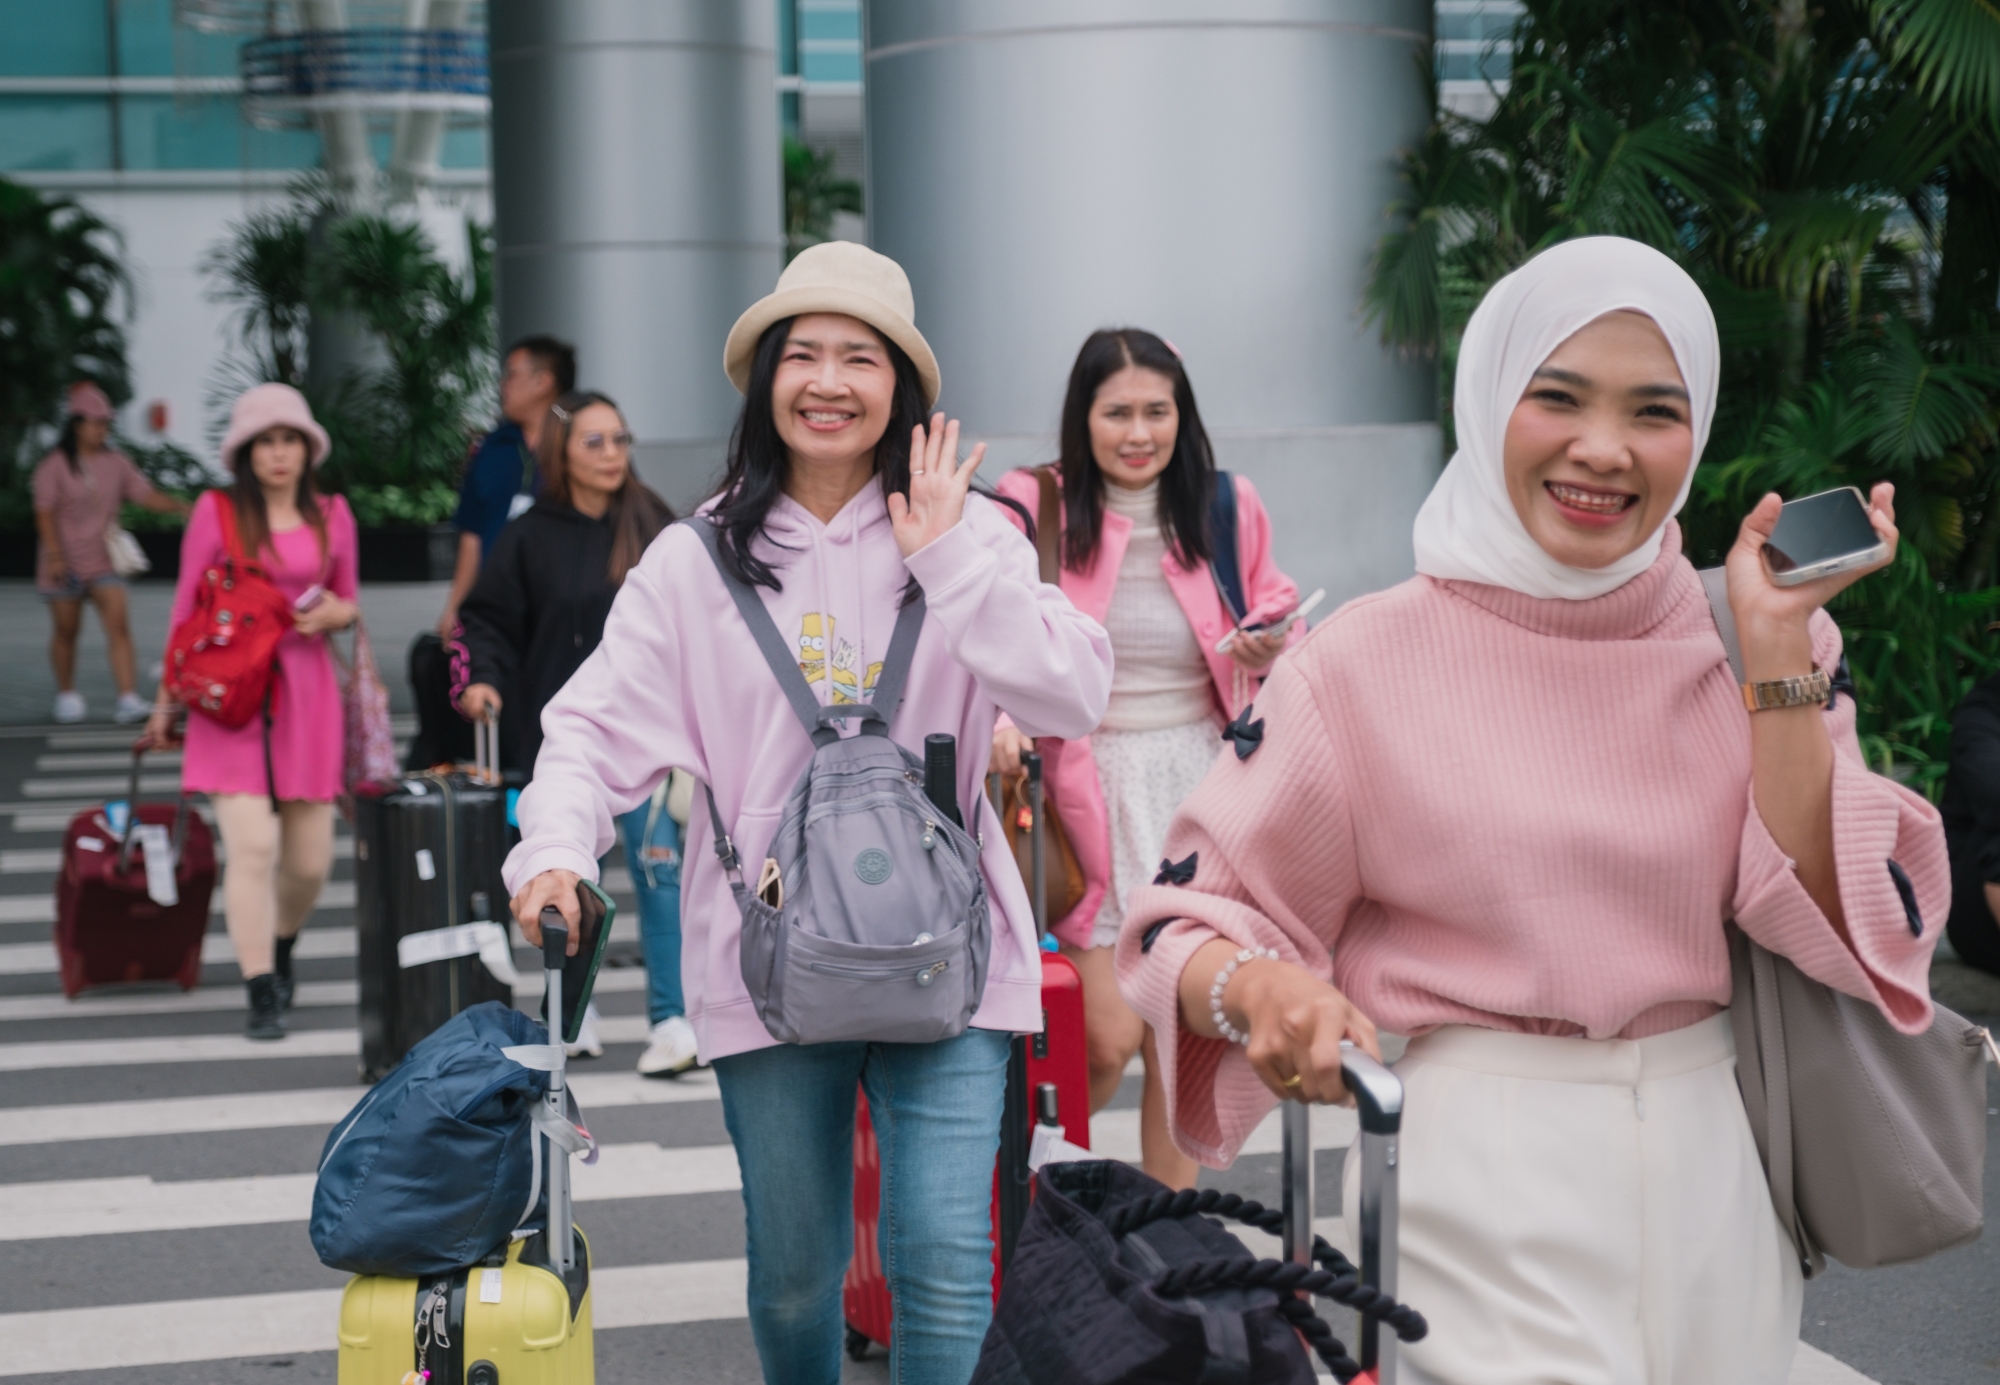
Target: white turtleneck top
1159	677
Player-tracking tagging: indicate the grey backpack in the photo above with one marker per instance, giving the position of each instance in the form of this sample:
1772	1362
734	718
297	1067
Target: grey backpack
876	926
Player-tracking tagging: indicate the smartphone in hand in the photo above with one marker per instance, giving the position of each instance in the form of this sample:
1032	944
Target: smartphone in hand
1277	627
308	599
1821	535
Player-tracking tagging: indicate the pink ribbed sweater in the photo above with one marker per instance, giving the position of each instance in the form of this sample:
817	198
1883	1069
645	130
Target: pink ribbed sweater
1523	814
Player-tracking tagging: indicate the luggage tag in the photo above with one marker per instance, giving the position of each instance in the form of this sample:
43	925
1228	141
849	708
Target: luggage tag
770	886
158	849
484	939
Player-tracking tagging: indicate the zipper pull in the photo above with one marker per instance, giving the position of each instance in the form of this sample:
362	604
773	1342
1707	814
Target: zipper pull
930	837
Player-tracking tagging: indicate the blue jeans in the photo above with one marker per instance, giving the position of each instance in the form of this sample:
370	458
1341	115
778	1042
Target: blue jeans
656	879
936	1110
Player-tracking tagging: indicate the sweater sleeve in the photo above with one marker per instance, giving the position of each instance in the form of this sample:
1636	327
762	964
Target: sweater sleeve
495	614
621	721
201	548
1886	840
1044	663
133	487
1273	849
343	551
1270	593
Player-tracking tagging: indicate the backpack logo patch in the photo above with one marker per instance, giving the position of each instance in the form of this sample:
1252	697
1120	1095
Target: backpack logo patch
873	866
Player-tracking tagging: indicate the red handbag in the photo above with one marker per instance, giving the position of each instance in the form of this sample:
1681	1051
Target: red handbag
222	661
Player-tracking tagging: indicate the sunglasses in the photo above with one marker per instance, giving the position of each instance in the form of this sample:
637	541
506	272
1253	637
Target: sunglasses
598	442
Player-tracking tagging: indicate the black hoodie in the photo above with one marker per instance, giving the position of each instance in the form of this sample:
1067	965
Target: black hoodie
535	615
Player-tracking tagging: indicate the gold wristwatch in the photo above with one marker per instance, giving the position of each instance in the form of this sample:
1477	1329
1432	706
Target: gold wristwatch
1811	689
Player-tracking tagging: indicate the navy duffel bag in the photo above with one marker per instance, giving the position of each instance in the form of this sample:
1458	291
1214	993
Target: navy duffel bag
436	1166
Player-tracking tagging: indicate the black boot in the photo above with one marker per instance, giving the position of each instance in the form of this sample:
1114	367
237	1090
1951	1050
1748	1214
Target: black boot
284	972
267	1015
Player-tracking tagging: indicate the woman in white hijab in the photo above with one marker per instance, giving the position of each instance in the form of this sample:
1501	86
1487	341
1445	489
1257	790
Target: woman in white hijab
1506	808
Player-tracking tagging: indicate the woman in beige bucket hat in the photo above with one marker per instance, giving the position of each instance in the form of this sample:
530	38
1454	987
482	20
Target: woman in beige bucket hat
840	504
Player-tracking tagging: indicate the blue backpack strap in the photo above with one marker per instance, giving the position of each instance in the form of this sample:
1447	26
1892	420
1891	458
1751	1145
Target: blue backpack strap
1225	565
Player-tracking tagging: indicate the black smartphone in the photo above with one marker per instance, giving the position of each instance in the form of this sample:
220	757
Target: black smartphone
579	978
1821	535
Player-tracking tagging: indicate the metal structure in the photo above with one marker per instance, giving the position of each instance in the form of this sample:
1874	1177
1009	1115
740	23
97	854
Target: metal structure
290	78
1214	170
636	199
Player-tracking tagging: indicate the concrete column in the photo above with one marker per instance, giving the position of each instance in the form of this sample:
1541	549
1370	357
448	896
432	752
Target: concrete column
636	197
343	134
1214	170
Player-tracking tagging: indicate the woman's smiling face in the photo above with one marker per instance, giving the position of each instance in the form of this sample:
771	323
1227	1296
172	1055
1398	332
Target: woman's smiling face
1597	448
834	389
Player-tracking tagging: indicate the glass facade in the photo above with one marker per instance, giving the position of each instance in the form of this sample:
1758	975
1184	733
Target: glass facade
117	85
1474	40
829	39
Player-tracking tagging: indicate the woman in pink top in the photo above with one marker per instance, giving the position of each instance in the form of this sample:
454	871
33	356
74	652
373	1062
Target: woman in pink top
1137	476
78	490
275	815
1507	808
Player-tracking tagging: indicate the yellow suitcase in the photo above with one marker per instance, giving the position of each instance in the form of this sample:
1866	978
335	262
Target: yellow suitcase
511	1323
519	1317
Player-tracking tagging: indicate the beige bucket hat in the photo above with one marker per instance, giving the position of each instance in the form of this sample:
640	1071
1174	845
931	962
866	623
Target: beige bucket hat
837	276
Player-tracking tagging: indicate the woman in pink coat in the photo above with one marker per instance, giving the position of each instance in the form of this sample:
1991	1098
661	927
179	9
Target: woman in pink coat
1137	478
275	815
1507	808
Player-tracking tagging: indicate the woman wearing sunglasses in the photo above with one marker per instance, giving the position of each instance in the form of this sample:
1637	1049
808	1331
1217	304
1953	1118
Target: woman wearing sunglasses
537	612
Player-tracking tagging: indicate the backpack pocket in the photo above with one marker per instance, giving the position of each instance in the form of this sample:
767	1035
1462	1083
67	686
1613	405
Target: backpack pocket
833	991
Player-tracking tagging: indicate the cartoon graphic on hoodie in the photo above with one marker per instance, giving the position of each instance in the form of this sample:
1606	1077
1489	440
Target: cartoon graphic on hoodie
812	646
845	657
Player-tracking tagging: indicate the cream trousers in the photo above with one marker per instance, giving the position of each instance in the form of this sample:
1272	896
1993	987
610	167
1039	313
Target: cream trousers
277	864
1581	1212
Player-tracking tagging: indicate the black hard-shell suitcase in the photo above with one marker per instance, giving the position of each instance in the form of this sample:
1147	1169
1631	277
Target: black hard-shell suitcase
430	905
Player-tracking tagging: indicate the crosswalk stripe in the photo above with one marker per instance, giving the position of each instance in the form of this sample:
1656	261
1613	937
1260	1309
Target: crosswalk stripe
100	1206
23	959
71	764
285	1324
106	786
207	999
227	1048
41	908
34	860
321	1106
58	1210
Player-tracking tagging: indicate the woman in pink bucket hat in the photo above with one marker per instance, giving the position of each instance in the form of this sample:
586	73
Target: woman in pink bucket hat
78	489
306	544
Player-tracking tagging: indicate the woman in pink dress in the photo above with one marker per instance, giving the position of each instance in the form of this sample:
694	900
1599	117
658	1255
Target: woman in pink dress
276	820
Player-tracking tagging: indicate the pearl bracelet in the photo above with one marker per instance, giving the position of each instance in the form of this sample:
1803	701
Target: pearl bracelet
1248	954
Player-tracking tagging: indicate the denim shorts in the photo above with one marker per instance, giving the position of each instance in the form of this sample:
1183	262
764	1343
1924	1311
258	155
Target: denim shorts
73	588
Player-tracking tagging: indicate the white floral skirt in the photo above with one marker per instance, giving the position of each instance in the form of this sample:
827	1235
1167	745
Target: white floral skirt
1144	775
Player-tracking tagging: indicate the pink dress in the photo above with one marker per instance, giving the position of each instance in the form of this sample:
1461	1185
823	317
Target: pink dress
307	728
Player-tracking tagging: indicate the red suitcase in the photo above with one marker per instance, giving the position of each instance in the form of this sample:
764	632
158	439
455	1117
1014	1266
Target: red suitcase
108	929
1055	1056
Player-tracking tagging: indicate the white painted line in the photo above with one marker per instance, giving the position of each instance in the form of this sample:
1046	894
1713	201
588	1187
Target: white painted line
158	1334
23	959
35	860
317	1106
57	1210
230	1048
1115	1134
71	764
1811	1366
41	908
106	786
208	999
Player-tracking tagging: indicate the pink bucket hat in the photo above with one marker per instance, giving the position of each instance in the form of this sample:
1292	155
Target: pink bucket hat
262	407
86	400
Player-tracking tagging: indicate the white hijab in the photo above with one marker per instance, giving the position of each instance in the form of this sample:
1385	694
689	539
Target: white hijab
1468	528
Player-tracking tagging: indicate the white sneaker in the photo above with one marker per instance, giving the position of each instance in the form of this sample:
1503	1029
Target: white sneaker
70	708
670	1050
589	1044
131	708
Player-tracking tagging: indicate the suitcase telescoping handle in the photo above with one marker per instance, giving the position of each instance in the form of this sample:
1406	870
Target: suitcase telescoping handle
139	749
1038	867
486	748
1378	1096
555	944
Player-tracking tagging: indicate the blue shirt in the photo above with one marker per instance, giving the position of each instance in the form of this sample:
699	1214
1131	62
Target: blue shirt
502	468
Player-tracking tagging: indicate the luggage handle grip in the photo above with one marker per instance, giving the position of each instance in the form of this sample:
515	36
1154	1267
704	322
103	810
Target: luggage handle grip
139	748
555	938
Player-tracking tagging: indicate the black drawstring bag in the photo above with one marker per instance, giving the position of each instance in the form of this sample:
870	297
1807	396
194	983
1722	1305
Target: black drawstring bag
1119	1280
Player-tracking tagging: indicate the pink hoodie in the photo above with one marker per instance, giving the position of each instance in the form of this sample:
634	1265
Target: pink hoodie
1071	766
678	683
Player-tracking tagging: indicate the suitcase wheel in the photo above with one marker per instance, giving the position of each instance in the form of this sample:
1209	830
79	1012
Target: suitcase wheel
857	1343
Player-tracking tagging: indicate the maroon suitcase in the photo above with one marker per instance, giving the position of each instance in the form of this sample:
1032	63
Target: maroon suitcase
108	929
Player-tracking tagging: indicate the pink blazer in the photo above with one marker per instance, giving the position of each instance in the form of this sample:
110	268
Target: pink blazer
1070	768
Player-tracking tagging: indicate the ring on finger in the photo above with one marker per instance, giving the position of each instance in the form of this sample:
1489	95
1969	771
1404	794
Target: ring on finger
1292	1082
